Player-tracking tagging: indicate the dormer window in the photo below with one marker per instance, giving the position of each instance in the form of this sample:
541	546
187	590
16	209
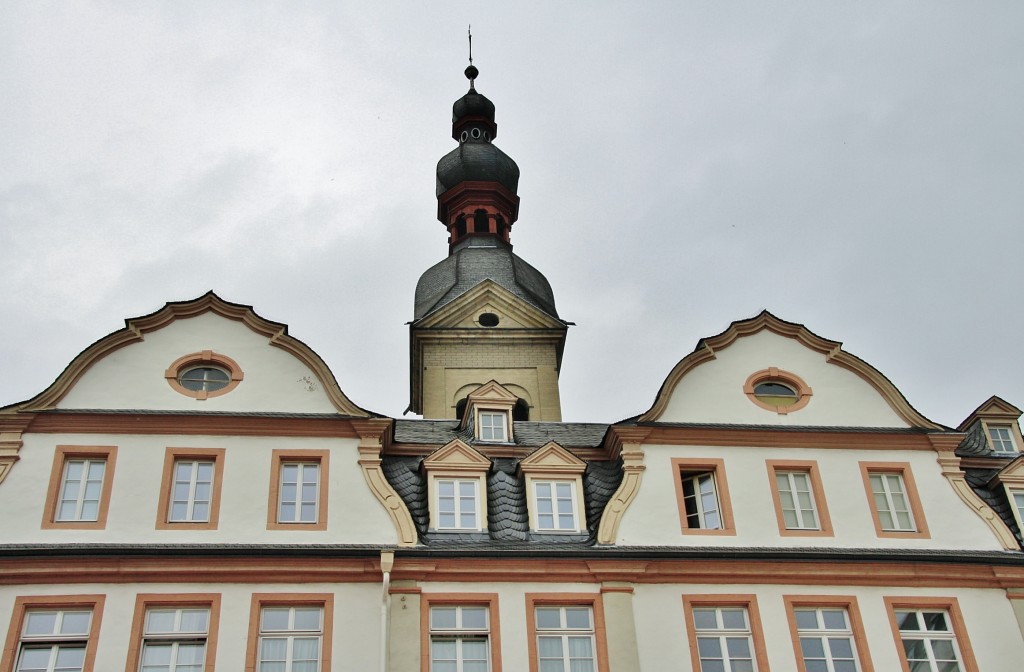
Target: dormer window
493	426
456	487
1001	439
554	483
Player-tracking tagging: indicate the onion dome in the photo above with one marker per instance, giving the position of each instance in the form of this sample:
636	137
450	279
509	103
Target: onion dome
476	181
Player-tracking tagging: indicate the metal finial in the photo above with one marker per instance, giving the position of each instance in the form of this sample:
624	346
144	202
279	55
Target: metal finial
471	71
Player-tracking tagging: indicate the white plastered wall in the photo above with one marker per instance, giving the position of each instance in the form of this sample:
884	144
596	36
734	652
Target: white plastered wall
355	635
132	377
354	514
712	392
653	517
663	642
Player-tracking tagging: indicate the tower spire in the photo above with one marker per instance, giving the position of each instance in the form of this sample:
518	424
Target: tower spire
471	72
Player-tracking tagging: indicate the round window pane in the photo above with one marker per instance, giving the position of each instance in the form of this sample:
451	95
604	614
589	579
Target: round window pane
206	378
488	320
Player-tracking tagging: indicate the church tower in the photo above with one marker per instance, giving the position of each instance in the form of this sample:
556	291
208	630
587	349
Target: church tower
483	314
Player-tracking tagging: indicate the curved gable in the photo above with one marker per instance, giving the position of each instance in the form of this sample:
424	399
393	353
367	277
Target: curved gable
128	368
707	386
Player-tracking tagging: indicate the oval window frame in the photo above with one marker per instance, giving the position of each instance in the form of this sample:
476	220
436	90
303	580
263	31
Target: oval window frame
776	375
205	358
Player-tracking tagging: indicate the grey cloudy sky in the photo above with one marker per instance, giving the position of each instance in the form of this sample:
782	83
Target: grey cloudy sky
856	167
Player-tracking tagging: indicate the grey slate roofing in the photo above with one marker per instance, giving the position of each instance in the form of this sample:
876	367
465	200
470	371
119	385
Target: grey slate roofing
995	496
975	443
476	162
475	259
508	517
527	434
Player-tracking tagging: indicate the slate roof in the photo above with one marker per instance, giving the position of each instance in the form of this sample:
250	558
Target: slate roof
975	443
474	260
508	519
526	433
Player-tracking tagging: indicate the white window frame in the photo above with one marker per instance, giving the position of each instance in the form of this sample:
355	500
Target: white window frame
553	500
458	501
492	432
290	634
460	634
928	637
175	637
1000	437
300	501
701	512
191	496
81	496
825	635
55	641
721	635
805	514
887	497
565	634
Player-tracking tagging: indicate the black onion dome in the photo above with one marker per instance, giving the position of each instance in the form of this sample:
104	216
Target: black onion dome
477	259
479	162
473	104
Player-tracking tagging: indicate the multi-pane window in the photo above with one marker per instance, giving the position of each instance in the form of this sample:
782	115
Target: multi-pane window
1002	440
81	488
796	497
493	426
929	643
290	639
1018	503
456	504
299	492
191	491
700	501
459	638
565	639
174	639
725	641
555	505
54	640
889	494
826	639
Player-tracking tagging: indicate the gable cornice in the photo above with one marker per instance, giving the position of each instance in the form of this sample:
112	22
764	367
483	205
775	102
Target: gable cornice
135	330
833	351
465	305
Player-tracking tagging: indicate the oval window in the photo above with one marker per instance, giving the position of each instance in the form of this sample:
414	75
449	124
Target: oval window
776	390
775	393
488	320
205	378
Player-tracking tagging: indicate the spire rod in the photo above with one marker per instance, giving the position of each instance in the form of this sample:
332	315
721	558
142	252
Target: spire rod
471	71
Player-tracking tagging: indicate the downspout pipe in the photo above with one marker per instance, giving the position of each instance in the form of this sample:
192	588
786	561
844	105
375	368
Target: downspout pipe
387	562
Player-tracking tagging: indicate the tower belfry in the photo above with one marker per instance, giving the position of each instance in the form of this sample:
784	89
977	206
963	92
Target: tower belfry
482	313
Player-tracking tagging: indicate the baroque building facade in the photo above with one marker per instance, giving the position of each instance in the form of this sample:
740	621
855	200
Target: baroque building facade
196	492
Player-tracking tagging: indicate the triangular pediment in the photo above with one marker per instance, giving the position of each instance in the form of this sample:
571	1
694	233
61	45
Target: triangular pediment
490	297
552	458
492	391
457	455
993	408
1013	473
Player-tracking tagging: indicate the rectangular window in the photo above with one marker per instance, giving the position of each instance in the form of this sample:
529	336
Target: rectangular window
457	504
298	490
493	426
566	633
799	498
724	633
190	488
895	505
54	633
174	633
930	637
702	494
78	496
290	638
1001	439
1018	504
828	634
459	638
555	505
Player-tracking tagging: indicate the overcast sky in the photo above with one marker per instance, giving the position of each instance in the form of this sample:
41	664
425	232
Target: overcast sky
855	167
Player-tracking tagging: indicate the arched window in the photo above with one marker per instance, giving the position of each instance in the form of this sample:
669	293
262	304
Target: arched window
480	224
460	408
521	411
460	226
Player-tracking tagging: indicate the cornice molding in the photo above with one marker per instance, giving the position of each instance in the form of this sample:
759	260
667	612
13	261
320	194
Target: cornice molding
375	435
